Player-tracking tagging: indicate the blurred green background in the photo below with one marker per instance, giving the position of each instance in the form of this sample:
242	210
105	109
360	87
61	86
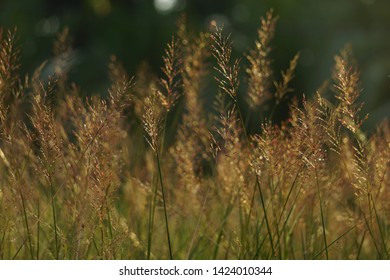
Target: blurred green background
138	30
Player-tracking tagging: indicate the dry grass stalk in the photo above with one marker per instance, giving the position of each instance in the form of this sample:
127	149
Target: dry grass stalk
171	83
282	87
260	70
222	51
347	84
9	64
152	120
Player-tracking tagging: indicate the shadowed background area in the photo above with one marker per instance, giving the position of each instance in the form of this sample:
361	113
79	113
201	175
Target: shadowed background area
138	30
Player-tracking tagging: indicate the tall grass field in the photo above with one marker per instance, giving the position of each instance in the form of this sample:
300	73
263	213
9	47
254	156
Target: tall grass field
190	162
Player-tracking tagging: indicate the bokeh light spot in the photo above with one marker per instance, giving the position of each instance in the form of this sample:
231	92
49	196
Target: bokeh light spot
47	26
165	6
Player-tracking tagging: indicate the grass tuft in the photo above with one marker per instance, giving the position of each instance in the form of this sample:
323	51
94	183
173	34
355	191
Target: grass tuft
148	169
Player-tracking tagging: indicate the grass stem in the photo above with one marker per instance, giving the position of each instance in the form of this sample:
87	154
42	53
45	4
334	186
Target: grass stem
322	215
266	217
165	205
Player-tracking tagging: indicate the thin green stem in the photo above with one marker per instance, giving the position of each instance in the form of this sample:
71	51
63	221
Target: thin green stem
266	216
380	229
2	249
162	147
149	230
198	222
104	255
243	123
96	247
271	115
334	242
220	234
165	206
152	208
322	216
111	232
38	230
109	221
361	245
372	237
20	248
289	194
26	224
247	222
54	220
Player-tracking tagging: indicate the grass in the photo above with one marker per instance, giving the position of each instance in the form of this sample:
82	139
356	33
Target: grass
148	171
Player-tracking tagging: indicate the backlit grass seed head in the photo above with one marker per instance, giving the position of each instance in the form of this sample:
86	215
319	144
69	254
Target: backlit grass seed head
361	172
46	128
171	83
103	184
260	71
9	63
226	134
282	87
151	119
121	84
228	80
231	160
347	85
310	133
265	148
